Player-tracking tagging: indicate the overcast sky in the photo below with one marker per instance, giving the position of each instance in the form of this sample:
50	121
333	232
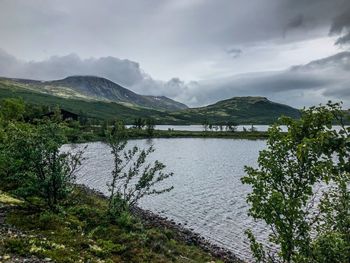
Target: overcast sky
195	51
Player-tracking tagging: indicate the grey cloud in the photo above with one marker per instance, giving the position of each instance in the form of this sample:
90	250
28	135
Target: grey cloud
304	85
122	71
234	52
337	61
170	28
294	23
341	26
343	40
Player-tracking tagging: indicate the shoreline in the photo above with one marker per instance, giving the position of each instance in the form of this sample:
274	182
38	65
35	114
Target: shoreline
158	134
187	235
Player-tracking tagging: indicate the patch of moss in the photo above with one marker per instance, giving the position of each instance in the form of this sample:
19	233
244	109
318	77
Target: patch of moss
82	233
9	200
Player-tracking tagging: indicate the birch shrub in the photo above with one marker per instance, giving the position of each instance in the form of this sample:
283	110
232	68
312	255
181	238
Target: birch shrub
283	189
133	177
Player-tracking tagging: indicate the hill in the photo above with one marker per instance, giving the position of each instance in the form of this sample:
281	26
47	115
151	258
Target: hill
96	88
242	110
91	108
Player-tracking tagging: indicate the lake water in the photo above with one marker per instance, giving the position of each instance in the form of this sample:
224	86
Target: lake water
208	195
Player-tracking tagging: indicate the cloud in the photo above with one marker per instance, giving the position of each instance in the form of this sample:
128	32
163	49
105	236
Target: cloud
122	71
234	52
125	72
294	23
341	26
303	85
168	37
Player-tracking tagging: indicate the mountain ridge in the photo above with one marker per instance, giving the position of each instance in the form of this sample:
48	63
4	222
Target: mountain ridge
98	88
239	110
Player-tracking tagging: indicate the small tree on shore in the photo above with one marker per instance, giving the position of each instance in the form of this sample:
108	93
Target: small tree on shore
231	126
132	177
150	127
283	190
139	123
205	125
33	164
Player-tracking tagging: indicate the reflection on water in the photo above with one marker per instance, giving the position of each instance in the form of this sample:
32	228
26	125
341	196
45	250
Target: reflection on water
208	195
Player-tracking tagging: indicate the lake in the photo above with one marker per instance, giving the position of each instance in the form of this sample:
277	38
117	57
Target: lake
208	195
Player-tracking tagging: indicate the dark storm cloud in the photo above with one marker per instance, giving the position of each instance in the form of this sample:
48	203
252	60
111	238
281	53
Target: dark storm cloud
294	23
177	28
341	26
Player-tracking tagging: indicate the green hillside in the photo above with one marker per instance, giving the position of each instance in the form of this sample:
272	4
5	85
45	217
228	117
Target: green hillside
96	88
241	110
92	109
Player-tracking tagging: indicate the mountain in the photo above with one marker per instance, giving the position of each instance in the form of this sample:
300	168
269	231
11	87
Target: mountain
97	109
97	88
242	110
68	94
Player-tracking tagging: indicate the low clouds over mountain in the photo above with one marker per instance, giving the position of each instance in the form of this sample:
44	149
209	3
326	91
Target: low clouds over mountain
302	85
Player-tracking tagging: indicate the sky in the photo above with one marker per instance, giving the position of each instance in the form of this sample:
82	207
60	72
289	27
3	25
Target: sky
295	52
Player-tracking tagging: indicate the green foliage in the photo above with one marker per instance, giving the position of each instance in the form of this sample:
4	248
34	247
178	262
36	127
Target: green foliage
32	164
139	123
284	188
132	177
150	127
12	109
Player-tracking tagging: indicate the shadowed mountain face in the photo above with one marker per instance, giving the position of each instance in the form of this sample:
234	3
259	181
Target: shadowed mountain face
97	88
104	89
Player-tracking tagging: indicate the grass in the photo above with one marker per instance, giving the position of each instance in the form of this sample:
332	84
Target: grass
83	234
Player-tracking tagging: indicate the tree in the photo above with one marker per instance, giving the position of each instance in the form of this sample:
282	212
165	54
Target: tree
132	177
103	128
33	166
253	129
12	109
150	127
283	189
231	126
139	123
205	125
54	171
